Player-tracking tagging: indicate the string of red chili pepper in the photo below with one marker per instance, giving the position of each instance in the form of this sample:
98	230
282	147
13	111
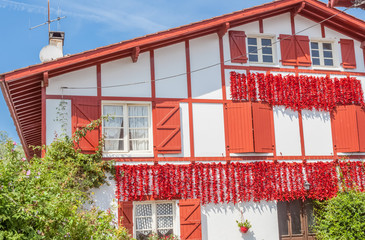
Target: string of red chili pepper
215	183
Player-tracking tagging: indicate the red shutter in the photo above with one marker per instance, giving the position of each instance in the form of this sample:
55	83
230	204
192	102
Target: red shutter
303	51
190	219
360	115
348	53
237	43
125	215
168	134
295	50
85	110
240	135
262	125
345	129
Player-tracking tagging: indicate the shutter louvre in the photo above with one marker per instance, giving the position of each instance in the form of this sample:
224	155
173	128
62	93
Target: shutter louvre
237	43
295	50
348	53
168	134
190	219
287	49
125	214
262	125
85	110
303	50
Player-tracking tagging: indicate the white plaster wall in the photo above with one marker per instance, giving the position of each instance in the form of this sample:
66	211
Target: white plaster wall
136	77
278	24
171	61
317	133
208	125
302	23
219	221
287	136
205	82
55	116
84	80
185	133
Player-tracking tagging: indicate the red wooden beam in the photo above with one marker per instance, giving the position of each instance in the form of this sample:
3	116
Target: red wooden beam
135	53
222	30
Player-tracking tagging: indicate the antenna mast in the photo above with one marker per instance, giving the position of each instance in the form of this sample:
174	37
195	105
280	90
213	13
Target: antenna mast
49	20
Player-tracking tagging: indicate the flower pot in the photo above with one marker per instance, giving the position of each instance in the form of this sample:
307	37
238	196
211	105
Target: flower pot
244	229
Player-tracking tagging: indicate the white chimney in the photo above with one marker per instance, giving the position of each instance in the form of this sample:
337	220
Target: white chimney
56	39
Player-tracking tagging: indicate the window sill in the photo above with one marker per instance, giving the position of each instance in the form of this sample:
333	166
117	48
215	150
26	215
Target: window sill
127	155
250	154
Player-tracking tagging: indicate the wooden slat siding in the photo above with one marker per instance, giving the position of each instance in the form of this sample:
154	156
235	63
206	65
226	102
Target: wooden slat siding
360	116
262	126
125	215
237	43
348	53
190	219
345	129
303	50
240	127
295	50
168	133
85	110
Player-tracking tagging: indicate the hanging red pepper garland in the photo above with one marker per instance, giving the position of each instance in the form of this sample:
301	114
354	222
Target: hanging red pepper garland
296	92
219	183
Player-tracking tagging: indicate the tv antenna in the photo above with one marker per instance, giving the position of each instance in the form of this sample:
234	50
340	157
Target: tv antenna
49	21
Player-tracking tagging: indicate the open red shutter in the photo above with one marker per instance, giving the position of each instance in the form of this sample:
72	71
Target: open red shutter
287	49
345	129
168	134
190	219
348	53
125	215
85	110
303	50
237	43
262	125
240	133
360	115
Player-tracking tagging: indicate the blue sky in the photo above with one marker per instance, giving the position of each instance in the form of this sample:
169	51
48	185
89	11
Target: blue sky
95	23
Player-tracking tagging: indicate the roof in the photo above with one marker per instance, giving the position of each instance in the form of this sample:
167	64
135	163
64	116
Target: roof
22	88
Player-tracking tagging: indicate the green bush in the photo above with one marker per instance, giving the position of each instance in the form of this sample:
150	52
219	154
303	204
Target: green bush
342	217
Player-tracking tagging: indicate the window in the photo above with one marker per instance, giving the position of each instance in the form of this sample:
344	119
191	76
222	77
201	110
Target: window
128	128
322	53
154	217
260	50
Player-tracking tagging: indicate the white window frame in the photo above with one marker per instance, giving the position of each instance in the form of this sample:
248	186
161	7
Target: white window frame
321	56
125	105
154	216
259	49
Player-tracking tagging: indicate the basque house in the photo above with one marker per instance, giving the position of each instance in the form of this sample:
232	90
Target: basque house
245	116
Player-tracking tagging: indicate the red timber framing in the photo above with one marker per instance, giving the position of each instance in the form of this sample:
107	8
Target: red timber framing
23	91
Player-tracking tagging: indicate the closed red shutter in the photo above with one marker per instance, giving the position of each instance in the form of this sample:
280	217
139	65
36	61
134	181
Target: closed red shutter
85	110
262	125
168	134
240	135
360	115
295	50
345	129
125	215
237	43
303	51
190	219
348	53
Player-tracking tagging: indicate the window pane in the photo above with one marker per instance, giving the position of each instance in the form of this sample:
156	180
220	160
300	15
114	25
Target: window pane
164	209
143	235
327	54
253	58
113	110
143	210
138	145
144	223
267	58
267	50
314	45
327	46
164	232
310	216
114	122
116	133
138	133
165	222
315	53
315	61
110	145
283	219
296	227
252	49
328	62
137	111
252	41
138	122
265	42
